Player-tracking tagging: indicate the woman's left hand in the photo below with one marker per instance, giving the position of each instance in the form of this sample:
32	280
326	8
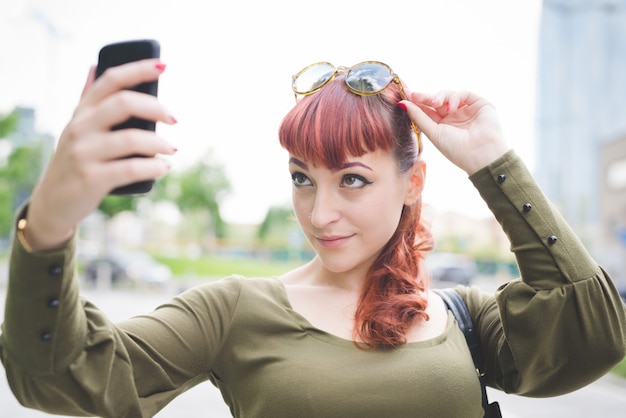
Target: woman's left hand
463	126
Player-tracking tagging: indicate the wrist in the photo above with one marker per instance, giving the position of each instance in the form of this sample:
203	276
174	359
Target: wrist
36	237
484	156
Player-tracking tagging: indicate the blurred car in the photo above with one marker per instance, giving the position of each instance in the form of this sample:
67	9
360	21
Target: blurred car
449	269
453	274
131	267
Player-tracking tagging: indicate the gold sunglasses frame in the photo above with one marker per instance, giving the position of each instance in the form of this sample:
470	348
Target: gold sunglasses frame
394	78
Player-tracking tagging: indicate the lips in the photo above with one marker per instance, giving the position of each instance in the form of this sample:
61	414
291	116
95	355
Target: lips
333	241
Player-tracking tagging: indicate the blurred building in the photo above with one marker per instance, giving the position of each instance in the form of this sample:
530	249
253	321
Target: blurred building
581	108
613	207
26	135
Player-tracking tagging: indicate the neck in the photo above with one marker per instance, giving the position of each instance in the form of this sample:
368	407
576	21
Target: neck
318	275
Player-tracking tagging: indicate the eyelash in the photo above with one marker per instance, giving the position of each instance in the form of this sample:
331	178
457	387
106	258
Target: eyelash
300	176
357	178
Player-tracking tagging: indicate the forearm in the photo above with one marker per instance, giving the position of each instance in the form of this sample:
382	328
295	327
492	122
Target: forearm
564	322
547	250
41	290
85	364
59	351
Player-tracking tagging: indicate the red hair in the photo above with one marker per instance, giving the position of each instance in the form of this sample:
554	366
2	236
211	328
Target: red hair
327	127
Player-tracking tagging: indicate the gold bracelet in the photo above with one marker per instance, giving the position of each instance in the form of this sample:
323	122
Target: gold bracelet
21	227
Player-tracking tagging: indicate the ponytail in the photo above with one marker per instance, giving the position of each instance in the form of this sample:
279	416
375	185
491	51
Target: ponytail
393	293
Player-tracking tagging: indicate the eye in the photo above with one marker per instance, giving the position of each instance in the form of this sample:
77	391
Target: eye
300	179
354	181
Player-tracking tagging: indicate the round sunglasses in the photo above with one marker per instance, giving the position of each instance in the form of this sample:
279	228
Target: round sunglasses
365	79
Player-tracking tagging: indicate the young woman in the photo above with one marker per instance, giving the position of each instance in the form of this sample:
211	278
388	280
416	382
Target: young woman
354	332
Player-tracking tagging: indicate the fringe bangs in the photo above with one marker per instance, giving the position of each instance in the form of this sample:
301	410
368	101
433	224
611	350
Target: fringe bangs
326	129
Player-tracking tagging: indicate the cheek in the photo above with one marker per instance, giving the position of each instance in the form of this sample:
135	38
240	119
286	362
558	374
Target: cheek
301	208
383	219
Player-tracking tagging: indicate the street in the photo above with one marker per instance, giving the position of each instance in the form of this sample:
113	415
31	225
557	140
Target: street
605	398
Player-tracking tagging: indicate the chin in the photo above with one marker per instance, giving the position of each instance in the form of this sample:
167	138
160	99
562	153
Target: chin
339	265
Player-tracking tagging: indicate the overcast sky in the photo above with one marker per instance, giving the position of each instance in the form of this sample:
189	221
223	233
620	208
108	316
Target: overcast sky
230	65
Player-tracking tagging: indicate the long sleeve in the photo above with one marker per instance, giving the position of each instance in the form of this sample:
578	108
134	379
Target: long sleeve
62	354
563	324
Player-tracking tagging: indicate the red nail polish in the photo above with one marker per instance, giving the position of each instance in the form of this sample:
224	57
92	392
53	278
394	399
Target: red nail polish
402	106
173	120
160	66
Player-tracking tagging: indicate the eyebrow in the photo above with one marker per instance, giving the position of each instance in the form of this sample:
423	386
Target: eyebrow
304	166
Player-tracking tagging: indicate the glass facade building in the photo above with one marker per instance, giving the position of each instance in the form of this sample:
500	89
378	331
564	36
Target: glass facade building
581	99
581	109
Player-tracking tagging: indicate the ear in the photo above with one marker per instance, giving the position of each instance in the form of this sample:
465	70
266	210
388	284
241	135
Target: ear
416	182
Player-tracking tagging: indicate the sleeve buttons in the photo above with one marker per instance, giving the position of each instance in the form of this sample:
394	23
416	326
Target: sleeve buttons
55	271
552	239
53	303
501	178
527	207
45	336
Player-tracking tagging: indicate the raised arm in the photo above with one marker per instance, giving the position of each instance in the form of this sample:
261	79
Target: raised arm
563	324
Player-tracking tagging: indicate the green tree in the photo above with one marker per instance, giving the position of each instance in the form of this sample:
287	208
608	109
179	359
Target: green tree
280	233
279	219
17	179
112	205
197	191
8	124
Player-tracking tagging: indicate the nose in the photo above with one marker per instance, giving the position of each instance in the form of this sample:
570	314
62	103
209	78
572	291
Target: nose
326	208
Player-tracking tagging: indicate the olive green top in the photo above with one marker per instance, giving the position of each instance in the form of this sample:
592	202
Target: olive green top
559	328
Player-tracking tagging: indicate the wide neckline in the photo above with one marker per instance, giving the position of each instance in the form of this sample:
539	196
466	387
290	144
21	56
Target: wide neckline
331	338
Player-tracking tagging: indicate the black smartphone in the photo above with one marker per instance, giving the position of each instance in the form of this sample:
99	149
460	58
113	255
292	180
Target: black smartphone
121	53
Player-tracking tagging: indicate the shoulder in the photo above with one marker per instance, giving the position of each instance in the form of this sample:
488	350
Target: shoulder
478	301
233	290
228	289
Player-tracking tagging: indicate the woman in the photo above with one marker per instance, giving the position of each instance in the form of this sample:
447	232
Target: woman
354	332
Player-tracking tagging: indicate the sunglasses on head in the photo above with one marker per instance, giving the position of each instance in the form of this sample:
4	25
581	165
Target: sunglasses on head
365	79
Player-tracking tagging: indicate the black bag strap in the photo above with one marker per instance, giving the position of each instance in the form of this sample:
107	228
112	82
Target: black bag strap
456	304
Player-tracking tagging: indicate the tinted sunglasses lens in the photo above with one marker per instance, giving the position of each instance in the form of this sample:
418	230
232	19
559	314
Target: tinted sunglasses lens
369	78
312	78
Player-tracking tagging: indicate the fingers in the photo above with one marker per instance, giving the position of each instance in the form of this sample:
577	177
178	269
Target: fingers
90	159
421	112
91	76
427	111
123	77
119	144
445	102
117	108
131	170
106	102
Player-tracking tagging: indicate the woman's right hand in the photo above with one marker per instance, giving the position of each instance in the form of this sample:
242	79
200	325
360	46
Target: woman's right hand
89	159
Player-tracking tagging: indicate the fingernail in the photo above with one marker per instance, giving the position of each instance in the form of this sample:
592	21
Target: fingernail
448	108
402	106
173	120
168	165
160	66
174	150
